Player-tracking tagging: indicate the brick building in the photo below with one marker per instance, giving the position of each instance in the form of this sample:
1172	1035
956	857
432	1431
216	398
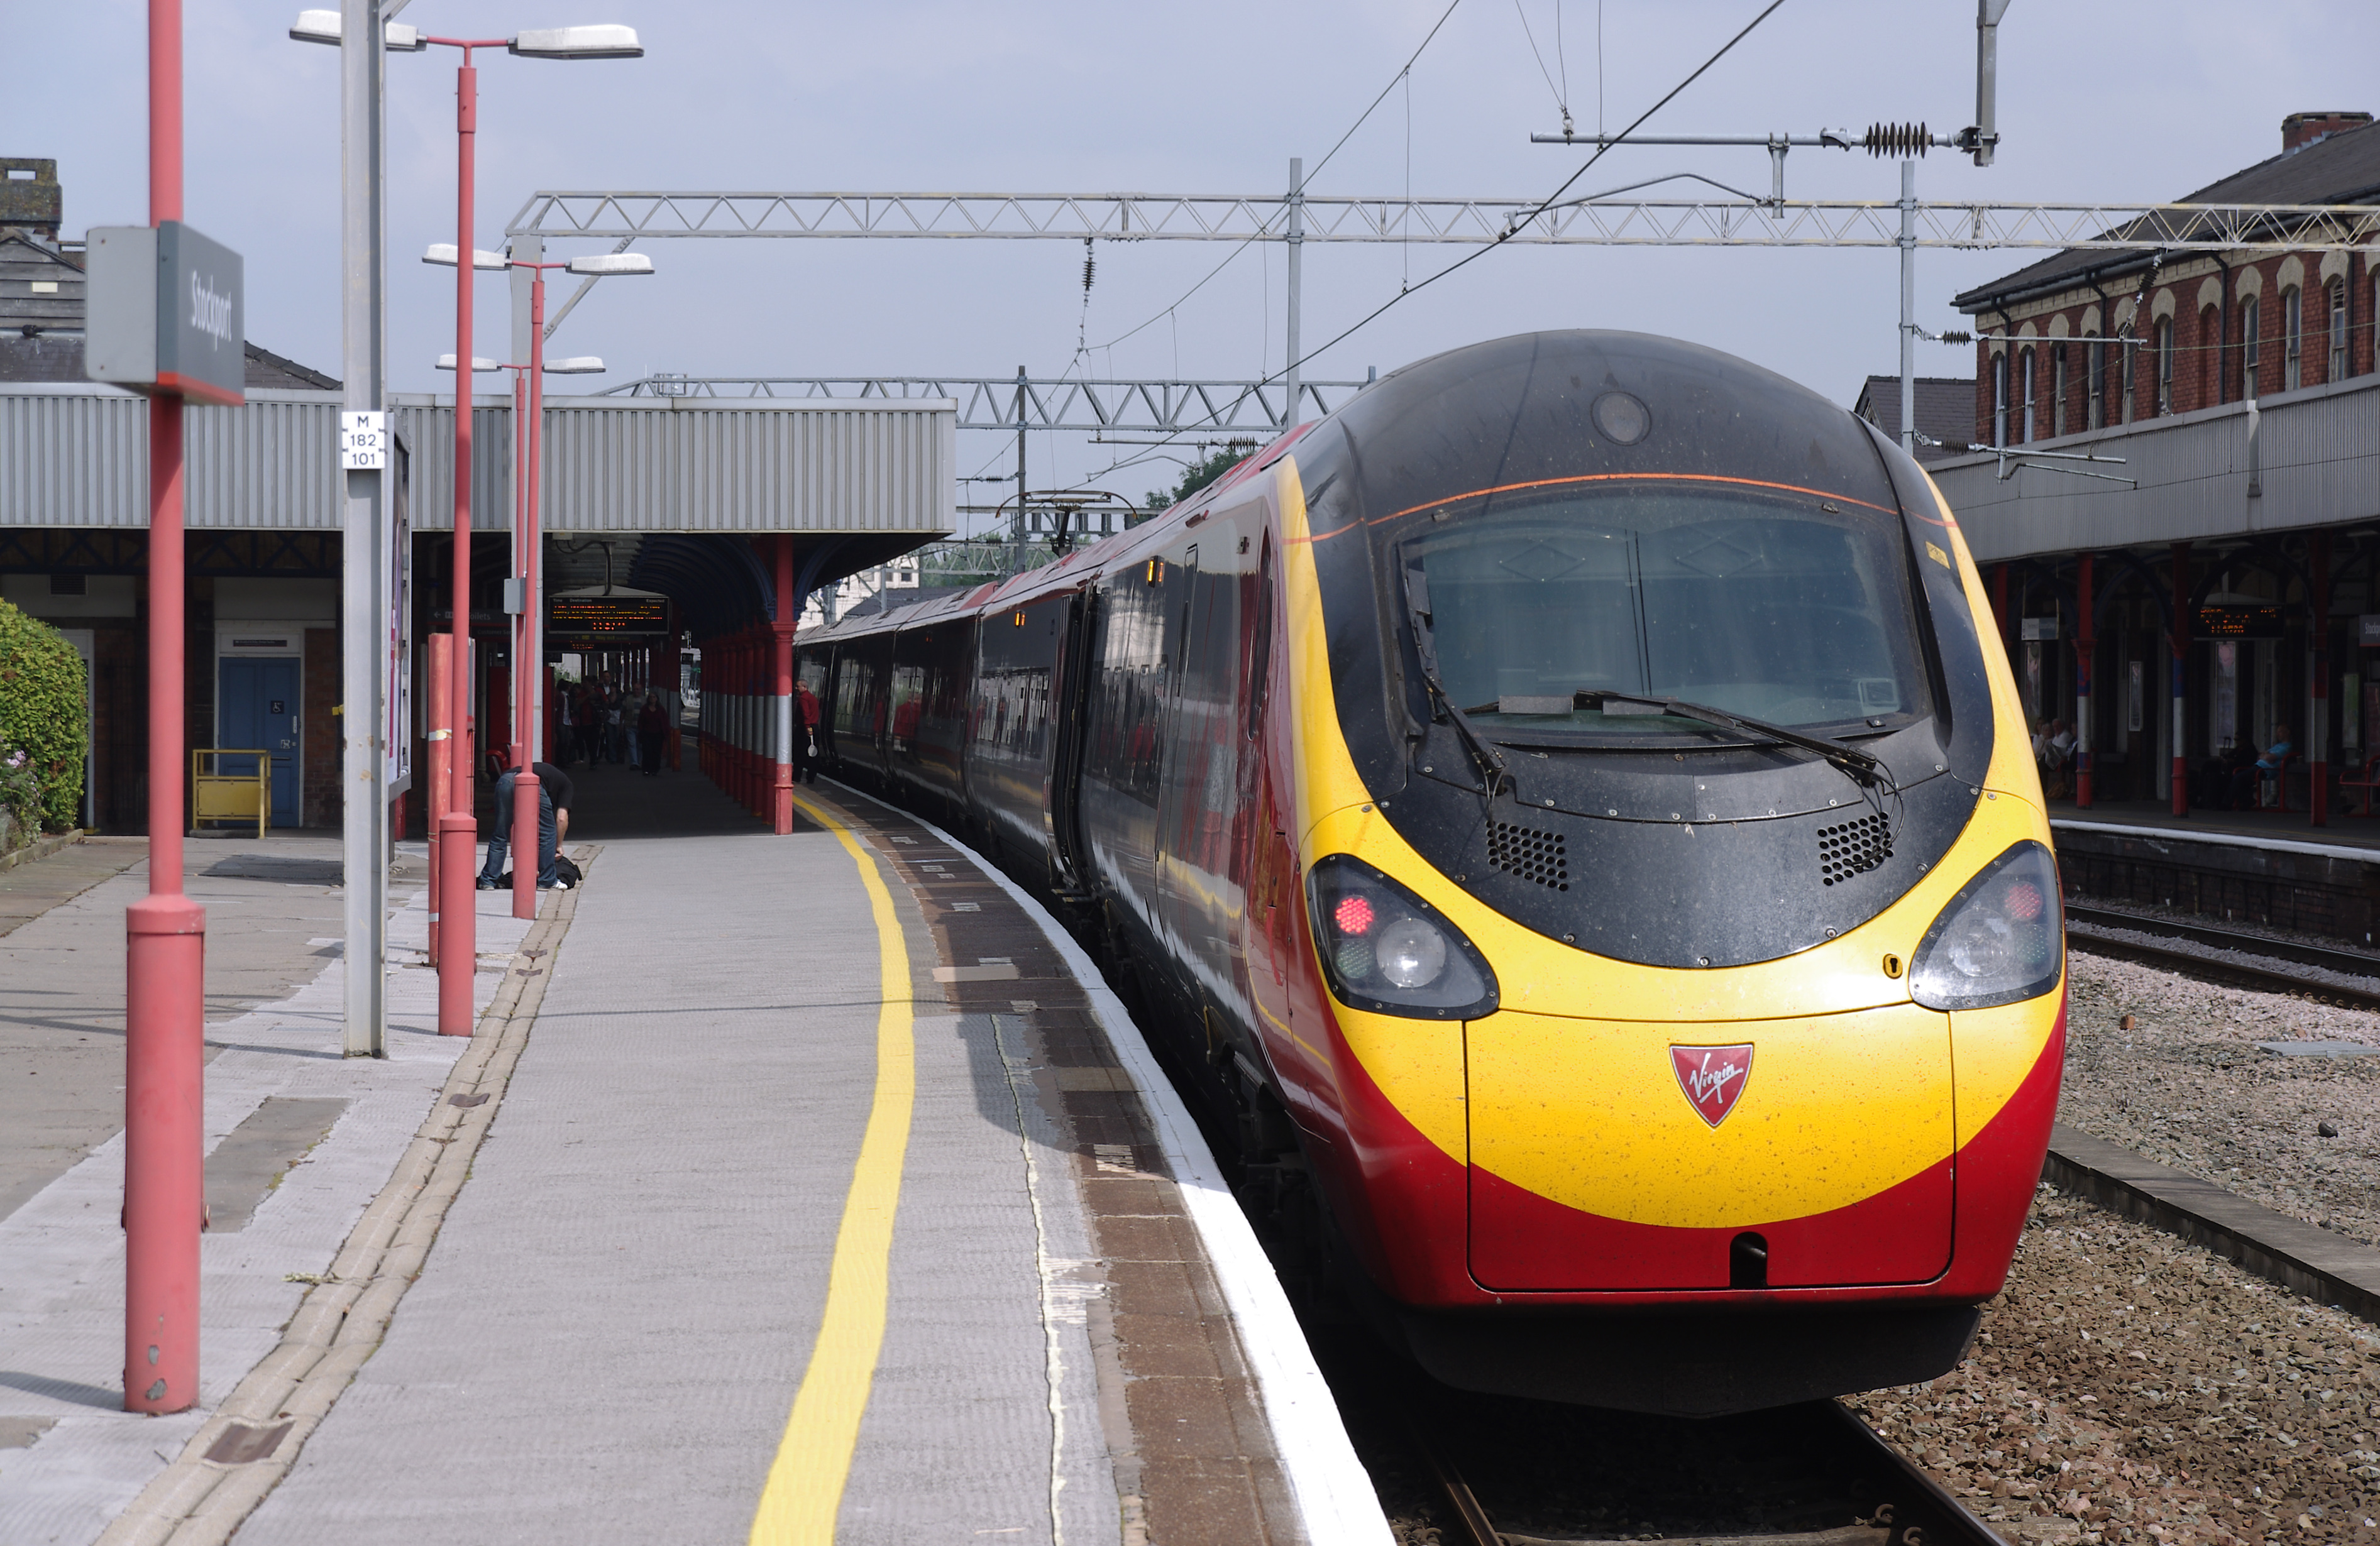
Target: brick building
2208	580
2203	328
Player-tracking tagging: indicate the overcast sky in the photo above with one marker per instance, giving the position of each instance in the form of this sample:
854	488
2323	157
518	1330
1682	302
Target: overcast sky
2099	99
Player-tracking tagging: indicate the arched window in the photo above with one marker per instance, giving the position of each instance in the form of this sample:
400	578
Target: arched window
2292	339
2210	357
2000	398
2025	384
2338	371
2251	346
2094	369
2057	390
2165	365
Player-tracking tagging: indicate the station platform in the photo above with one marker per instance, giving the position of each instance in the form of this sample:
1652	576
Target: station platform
816	1191
2269	869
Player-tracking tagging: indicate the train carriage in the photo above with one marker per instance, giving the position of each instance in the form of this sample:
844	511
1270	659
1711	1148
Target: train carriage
1563	803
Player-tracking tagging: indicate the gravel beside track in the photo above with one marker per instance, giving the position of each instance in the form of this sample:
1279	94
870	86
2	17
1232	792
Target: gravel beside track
2188	1088
2129	1387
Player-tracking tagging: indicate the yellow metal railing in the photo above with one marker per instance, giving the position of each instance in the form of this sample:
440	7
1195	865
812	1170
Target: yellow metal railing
219	796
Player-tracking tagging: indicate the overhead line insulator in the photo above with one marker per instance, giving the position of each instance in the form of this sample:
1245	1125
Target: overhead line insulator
1897	140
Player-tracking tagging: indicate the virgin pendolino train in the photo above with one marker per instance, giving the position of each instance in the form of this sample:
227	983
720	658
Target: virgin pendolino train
1566	807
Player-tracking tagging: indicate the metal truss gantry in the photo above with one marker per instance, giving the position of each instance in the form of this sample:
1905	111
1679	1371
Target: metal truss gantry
1309	217
1010	402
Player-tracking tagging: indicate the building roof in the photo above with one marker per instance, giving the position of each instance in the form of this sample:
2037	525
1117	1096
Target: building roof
42	331
1946	411
2341	168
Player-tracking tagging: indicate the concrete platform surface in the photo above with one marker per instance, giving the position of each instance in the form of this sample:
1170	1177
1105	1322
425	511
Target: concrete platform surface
823	1203
300	1139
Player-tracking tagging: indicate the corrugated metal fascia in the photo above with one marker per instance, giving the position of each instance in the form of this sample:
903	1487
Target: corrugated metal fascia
700	465
73	459
272	466
2318	452
428	426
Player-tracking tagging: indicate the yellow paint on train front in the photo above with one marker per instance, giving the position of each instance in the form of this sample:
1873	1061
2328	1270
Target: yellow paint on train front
1590	1113
1811	1007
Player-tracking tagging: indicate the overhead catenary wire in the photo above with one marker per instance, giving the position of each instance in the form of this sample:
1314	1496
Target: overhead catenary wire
1562	98
1266	229
1521	223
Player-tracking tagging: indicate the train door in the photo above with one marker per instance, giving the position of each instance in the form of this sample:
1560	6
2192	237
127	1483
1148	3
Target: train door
1070	709
1119	779
1171	899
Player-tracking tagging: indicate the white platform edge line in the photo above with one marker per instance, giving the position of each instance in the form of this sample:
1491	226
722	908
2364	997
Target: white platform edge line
2220	840
1335	1497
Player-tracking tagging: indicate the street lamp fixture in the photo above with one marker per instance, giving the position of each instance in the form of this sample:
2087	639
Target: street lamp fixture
603	264
442	254
577	364
322	26
479	363
577	42
547	43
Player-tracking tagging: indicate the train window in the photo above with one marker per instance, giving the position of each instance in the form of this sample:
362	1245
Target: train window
1791	611
1260	645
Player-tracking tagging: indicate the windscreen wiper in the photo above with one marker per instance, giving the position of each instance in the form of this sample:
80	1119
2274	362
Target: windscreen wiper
1493	773
1850	759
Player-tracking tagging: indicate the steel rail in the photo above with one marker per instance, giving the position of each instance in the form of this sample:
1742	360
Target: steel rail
622	214
2330	958
2195	963
1919	1512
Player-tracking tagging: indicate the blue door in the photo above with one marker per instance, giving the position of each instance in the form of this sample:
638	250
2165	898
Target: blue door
258	707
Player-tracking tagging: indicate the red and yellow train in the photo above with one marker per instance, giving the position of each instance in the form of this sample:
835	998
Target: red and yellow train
1567	804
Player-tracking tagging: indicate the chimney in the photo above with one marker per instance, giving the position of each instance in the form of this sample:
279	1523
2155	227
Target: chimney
2302	129
30	200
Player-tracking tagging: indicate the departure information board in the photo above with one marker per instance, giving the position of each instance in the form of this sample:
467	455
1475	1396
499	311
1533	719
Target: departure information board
607	616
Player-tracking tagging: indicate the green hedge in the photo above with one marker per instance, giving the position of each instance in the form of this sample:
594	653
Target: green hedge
42	717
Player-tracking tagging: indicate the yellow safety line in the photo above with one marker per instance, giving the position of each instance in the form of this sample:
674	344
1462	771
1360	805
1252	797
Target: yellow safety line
806	1481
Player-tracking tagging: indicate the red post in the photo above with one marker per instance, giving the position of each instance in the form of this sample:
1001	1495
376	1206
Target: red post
781	802
457	834
165	1016
528	842
2317	731
2179	637
2086	642
438	713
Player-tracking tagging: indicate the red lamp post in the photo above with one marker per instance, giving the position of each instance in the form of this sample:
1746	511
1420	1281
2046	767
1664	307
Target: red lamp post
457	828
165	1196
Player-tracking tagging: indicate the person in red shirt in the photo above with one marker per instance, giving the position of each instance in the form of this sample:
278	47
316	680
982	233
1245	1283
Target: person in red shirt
805	746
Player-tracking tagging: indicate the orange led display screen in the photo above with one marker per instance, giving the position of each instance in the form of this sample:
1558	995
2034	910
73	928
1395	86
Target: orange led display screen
607	616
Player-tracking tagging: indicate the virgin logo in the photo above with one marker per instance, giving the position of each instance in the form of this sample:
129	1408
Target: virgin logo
1712	1076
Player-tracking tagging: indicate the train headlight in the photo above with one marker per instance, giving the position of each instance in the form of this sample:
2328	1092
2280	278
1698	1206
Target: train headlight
1385	949
2001	940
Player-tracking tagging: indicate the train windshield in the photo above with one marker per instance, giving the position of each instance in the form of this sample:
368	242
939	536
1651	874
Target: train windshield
1774	608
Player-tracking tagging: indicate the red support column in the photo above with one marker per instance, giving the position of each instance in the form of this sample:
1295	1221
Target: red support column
165	1016
781	802
2317	741
456	831
2179	638
438	695
2087	644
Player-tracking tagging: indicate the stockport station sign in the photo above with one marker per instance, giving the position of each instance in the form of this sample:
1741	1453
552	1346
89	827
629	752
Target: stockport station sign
164	313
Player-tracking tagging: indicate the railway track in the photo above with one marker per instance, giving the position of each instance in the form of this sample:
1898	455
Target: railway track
2188	944
1898	1503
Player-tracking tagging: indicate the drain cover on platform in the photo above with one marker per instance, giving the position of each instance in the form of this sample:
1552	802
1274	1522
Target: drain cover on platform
2319	1049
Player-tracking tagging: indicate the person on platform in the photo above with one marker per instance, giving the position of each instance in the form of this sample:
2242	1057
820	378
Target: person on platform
589	720
552	826
805	703
652	727
2269	765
